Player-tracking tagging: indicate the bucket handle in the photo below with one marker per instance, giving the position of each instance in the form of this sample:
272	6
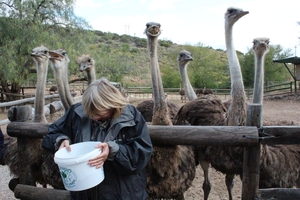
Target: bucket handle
79	160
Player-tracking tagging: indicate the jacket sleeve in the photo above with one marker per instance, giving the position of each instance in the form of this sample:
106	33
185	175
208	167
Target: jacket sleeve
135	153
58	131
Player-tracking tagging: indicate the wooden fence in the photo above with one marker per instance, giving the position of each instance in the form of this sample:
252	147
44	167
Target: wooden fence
250	137
171	93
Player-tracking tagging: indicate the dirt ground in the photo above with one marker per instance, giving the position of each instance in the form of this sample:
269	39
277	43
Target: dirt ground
275	112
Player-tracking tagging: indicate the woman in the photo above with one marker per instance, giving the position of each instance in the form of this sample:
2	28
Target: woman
106	116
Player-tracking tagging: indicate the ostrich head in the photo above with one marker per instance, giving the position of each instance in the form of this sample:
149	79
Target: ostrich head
232	15
152	29
59	58
184	57
40	54
261	45
85	63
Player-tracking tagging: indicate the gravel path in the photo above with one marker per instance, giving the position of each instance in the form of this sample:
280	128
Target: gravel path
5	192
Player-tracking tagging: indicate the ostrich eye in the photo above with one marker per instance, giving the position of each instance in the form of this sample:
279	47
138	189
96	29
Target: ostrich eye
45	52
64	53
89	60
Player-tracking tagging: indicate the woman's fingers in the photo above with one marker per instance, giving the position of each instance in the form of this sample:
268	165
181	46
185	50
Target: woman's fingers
65	143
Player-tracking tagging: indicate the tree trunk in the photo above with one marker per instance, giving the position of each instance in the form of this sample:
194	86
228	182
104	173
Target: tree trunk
15	89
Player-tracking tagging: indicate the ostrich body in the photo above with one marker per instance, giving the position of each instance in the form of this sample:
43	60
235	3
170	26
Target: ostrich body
34	149
146	109
199	92
86	63
171	169
53	89
59	63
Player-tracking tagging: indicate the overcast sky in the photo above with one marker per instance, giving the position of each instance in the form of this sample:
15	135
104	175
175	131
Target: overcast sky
198	21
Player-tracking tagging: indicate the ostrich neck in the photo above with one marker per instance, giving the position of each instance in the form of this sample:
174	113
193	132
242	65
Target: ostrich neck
160	108
234	65
42	69
67	87
258	79
186	83
158	91
91	75
237	109
60	87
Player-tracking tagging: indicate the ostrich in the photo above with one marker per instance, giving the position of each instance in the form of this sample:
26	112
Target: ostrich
228	159
199	92
206	110
183	59
279	164
53	89
59	63
34	150
182	95
224	159
237	108
86	63
171	169
207	91
45	171
260	49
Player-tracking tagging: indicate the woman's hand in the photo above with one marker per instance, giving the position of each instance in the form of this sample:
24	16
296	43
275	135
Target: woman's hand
99	160
65	143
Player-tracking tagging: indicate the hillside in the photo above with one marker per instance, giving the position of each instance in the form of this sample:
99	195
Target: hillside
125	59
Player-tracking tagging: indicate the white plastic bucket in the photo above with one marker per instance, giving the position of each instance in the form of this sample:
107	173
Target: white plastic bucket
74	169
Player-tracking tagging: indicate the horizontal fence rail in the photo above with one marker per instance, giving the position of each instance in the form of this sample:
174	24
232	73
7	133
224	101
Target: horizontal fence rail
164	135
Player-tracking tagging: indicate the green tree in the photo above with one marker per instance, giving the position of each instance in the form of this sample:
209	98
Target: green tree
273	71
209	68
27	24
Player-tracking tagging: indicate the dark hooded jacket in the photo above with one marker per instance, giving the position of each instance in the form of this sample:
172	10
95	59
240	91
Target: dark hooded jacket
130	150
1	143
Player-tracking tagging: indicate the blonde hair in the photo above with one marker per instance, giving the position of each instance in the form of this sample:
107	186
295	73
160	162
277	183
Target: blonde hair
102	95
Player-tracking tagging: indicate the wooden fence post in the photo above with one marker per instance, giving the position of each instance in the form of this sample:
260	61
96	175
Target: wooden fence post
251	165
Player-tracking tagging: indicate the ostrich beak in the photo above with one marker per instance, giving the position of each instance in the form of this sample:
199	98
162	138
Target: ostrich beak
54	55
